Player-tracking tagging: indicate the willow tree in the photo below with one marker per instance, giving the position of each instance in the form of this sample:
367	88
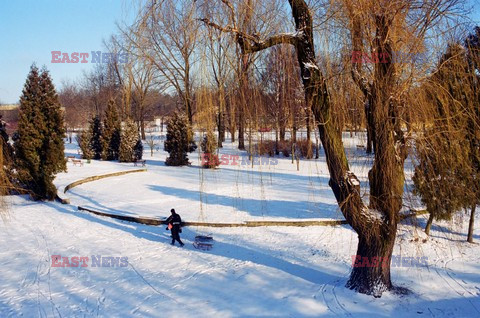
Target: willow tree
376	223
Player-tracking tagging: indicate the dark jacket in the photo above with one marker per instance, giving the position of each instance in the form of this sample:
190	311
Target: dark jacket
175	220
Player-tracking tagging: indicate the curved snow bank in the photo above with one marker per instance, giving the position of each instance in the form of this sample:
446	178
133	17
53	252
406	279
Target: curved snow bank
156	221
65	200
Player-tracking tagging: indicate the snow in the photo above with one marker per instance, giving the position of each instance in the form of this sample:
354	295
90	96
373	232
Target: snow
265	271
372	214
310	65
297	33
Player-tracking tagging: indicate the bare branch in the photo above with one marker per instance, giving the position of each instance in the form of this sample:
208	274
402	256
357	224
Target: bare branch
249	43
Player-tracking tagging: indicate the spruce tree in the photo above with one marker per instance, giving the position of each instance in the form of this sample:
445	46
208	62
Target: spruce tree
96	142
111	132
179	141
84	140
128	140
209	149
39	143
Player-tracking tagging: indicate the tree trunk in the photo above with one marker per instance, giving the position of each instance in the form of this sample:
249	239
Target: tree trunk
369	275
221	117
370	125
470	225
142	120
188	93
429	224
282	132
220	130
231	119
241	131
276	143
309	132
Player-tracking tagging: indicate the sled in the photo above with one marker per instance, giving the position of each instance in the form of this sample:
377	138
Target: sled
203	242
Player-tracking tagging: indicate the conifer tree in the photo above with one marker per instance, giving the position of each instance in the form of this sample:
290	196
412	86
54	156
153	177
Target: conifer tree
209	148
96	142
84	140
138	150
39	144
8	172
446	177
128	140
111	132
179	141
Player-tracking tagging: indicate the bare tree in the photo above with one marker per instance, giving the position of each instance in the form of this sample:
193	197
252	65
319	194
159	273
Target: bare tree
73	99
220	59
152	143
166	34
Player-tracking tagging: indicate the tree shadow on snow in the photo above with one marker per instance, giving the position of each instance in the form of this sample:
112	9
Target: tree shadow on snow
255	207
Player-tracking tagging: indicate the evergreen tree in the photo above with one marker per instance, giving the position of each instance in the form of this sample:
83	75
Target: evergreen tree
446	177
96	142
128	140
179	141
138	150
3	129
84	141
209	149
111	132
39	144
7	156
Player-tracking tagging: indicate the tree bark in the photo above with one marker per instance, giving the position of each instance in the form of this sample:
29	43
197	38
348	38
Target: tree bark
370	125
221	117
471	224
363	276
282	132
309	132
142	127
241	130
429	224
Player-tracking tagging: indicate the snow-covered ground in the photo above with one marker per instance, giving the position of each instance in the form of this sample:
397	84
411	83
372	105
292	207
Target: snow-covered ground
267	271
232	193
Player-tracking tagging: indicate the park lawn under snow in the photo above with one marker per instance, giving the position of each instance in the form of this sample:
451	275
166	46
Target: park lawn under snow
232	193
266	271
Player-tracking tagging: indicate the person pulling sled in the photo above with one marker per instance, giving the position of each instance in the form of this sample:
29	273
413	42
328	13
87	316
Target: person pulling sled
174	222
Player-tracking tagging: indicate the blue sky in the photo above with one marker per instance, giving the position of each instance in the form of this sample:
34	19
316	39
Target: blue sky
31	29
